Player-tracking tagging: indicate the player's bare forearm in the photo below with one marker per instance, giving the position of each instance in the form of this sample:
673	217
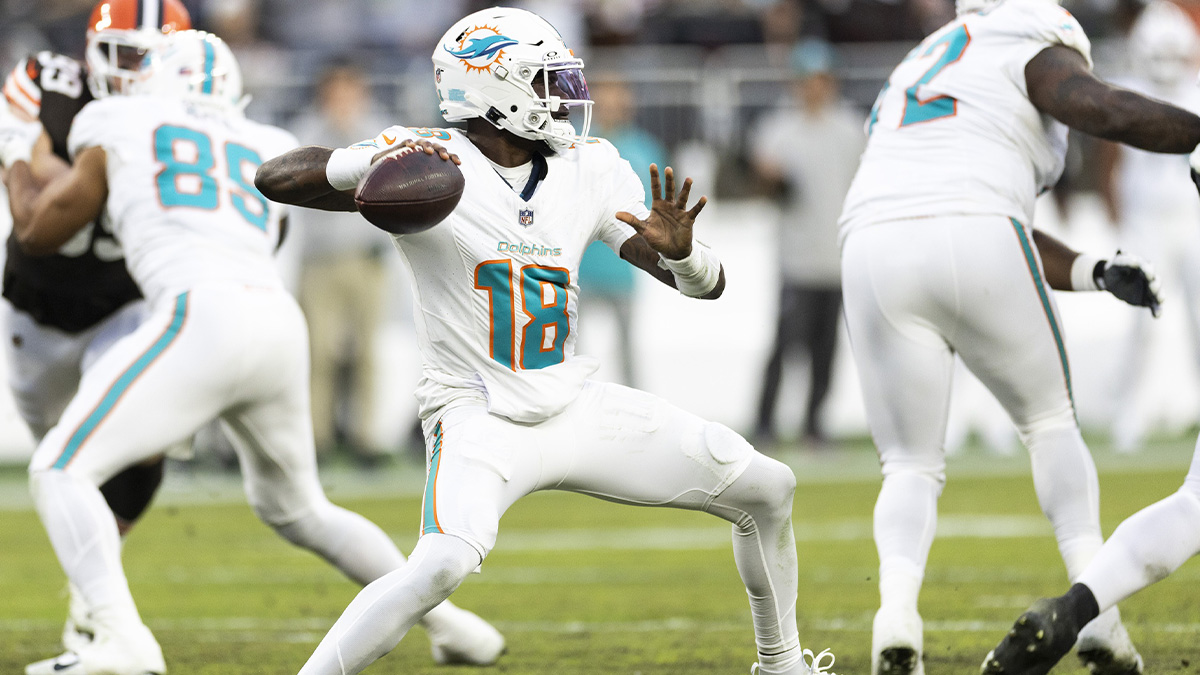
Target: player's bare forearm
23	190
1061	85
640	254
66	205
1056	260
298	177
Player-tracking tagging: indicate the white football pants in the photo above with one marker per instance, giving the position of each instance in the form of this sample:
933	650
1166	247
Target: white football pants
227	351
917	292
614	443
45	363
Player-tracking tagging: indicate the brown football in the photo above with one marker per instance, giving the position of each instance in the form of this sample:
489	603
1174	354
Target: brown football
408	191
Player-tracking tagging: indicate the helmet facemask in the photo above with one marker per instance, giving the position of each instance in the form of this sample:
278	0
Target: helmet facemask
114	58
555	88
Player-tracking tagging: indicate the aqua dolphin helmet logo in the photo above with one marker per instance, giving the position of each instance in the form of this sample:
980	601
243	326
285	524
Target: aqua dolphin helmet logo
480	47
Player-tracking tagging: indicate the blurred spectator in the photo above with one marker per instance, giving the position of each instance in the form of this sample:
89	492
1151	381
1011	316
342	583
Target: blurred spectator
605	278
1151	199
807	154
342	274
875	20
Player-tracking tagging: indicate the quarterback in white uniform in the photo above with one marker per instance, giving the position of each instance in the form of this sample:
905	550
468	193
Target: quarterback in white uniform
939	257
507	406
174	169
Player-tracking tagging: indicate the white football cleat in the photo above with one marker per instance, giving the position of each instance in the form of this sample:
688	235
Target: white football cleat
461	637
78	629
897	642
130	651
1104	647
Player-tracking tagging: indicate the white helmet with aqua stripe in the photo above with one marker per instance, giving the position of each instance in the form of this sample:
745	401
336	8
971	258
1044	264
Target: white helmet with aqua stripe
196	66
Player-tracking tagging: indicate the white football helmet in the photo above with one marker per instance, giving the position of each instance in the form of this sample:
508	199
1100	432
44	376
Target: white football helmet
196	66
1164	44
492	64
120	33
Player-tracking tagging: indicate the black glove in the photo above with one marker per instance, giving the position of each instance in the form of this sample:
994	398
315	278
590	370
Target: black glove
1131	279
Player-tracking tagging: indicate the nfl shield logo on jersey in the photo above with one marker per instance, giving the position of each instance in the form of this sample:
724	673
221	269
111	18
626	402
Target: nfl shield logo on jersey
525	217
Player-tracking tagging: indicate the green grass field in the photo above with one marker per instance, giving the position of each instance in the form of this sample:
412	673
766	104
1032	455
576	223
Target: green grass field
583	586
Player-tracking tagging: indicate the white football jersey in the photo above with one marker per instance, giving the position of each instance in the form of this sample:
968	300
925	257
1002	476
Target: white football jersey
496	284
953	130
181	195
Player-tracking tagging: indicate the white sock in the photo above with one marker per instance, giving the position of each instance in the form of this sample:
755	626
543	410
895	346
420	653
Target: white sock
1064	477
905	523
387	608
1147	547
759	504
83	533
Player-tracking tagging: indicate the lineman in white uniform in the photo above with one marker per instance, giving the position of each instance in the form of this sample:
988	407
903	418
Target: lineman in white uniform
507	406
224	340
939	257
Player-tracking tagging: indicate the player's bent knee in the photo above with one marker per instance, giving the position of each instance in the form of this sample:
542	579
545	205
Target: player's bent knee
765	489
448	559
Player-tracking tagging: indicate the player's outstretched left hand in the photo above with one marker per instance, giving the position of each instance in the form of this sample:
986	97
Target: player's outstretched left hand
1133	280
668	229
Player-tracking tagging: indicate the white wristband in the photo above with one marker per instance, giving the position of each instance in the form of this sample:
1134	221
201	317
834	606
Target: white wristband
347	166
1083	276
698	273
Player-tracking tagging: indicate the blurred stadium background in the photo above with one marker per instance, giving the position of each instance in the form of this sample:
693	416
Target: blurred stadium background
702	72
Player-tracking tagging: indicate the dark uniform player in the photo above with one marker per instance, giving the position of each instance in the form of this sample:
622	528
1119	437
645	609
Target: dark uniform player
67	308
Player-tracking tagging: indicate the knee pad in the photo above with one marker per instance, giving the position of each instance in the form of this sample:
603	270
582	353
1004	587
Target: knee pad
725	445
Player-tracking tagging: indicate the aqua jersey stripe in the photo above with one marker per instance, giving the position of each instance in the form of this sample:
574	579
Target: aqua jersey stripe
209	55
1031	261
118	388
429	519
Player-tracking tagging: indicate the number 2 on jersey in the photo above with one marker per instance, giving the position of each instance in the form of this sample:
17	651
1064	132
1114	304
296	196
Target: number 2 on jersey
187	180
916	110
544	302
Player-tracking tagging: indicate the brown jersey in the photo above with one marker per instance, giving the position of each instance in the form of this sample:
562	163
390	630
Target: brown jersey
86	280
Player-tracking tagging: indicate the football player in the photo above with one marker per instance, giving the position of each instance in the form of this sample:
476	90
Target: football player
65	309
1156	541
507	406
939	257
173	169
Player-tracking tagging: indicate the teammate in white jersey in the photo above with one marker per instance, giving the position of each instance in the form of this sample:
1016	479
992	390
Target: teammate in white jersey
62	311
174	168
507	406
939	257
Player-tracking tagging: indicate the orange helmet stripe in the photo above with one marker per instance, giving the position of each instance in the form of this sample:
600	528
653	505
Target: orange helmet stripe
165	15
